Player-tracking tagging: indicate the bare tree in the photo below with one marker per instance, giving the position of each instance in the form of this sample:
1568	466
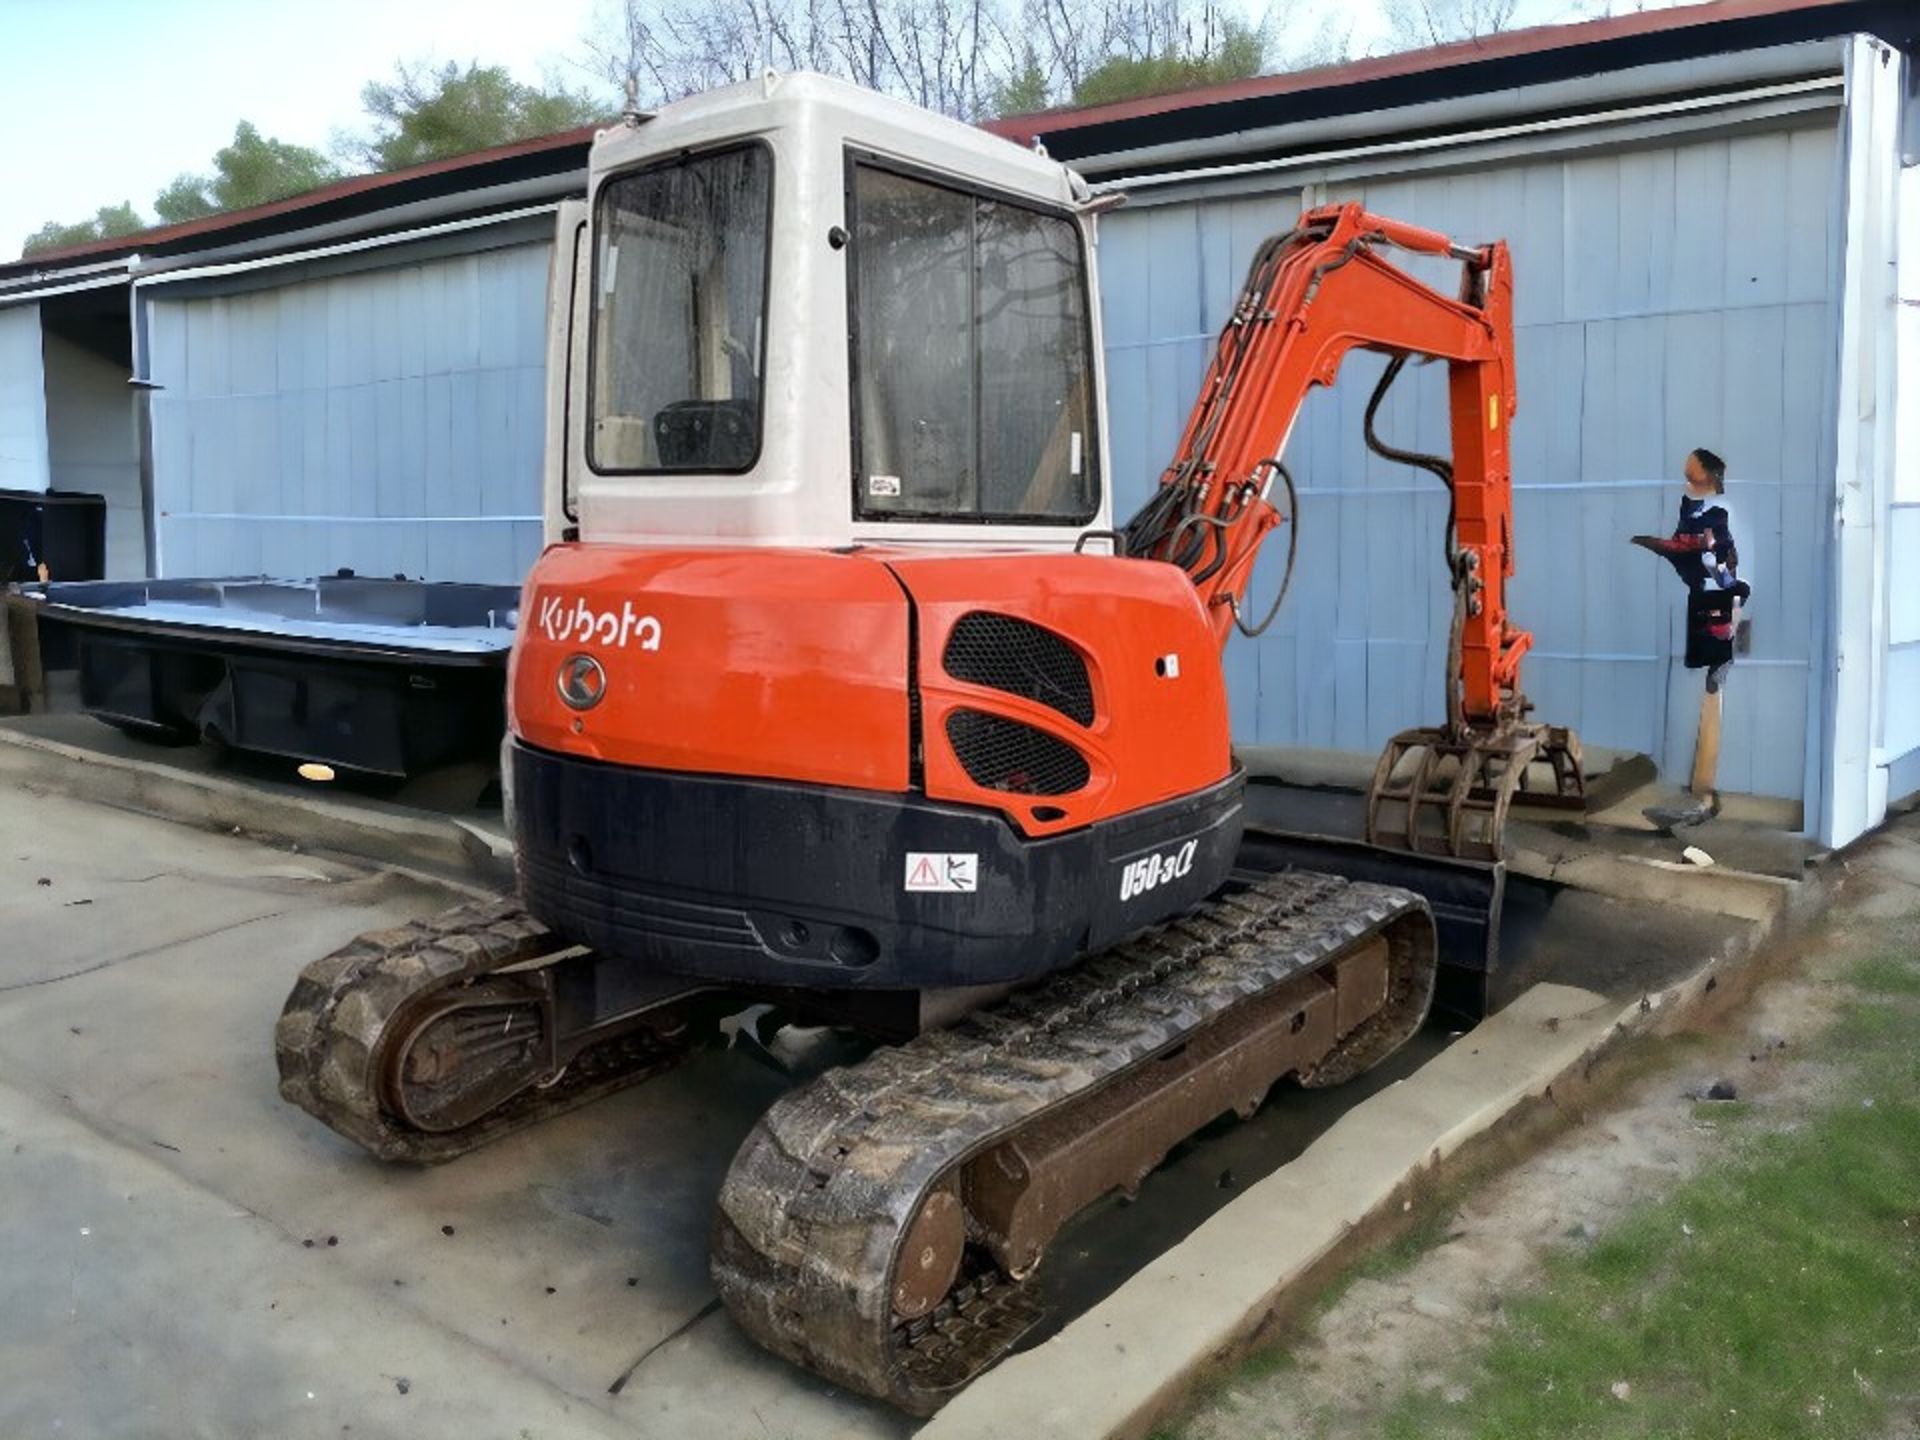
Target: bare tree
1418	23
1073	39
949	55
624	49
1330	44
967	58
659	50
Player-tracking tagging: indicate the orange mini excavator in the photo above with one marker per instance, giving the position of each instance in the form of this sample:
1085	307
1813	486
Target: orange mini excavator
839	694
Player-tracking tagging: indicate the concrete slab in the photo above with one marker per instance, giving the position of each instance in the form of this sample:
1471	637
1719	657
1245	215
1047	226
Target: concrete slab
1610	773
434	823
1773	848
1715	889
140	1304
1756	813
135	1037
1538	840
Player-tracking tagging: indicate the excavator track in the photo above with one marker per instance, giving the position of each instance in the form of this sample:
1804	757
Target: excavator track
414	1044
865	1229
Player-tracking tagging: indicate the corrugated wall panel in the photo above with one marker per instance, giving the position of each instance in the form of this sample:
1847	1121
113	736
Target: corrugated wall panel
23	401
93	445
1901	701
1666	298
390	421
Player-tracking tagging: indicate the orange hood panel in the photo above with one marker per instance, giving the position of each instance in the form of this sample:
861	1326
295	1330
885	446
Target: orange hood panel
793	666
788	664
1159	726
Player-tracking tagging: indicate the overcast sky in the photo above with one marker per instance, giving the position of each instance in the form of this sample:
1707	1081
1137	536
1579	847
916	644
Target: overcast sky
107	100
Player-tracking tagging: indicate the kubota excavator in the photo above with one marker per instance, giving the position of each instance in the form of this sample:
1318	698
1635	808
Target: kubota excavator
839	692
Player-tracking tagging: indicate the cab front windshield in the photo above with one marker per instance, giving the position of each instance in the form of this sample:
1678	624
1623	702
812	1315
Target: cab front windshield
679	315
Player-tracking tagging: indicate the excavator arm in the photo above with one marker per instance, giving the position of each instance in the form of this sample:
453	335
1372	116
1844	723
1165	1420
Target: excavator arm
1312	296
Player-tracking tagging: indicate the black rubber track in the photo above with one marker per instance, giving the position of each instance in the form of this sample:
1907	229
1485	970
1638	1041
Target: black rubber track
346	1006
812	1211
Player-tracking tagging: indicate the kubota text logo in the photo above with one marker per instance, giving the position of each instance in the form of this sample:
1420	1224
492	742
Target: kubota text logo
580	622
1150	872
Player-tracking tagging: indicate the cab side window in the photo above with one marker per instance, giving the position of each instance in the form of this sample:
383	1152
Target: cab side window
972	367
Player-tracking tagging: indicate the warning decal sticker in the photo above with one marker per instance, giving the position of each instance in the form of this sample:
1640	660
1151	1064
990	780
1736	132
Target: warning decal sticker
937	872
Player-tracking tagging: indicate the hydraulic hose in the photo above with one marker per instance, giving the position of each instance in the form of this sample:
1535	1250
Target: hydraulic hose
1433	464
1293	551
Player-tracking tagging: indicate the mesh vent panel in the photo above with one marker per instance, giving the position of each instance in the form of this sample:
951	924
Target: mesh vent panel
1000	754
1003	652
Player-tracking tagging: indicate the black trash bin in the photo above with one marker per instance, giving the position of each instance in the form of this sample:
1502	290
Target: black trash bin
64	530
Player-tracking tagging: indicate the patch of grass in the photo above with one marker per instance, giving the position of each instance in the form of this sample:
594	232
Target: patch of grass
1269	1360
1776	1294
1878	1021
1428	1228
1713	1112
1890	972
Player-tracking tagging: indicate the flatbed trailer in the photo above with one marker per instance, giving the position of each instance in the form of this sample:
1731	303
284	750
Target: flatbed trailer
377	676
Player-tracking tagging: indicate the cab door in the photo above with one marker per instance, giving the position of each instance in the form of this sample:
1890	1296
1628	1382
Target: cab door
569	276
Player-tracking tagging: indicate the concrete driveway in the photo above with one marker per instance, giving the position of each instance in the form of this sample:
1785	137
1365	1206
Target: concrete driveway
186	1255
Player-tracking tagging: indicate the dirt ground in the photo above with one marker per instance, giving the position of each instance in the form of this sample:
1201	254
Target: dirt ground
1401	1316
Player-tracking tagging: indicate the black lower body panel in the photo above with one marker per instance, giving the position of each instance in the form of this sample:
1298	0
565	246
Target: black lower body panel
778	884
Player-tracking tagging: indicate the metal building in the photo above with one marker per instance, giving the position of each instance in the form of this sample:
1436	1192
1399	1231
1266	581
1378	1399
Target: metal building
1715	220
353	378
1703	208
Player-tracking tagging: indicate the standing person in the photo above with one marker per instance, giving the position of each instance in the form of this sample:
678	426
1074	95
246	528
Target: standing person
1703	553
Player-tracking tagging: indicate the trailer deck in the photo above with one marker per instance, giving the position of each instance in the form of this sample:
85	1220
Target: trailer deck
384	677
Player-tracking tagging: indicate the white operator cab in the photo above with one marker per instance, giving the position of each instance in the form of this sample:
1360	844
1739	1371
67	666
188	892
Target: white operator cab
796	312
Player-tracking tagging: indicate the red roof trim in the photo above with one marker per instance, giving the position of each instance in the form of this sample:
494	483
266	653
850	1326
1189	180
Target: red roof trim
338	190
1025	128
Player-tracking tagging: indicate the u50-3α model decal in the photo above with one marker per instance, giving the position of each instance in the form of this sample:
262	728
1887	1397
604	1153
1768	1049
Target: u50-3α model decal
1150	872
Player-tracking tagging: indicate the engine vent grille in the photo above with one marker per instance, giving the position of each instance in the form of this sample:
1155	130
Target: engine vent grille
1002	754
1004	652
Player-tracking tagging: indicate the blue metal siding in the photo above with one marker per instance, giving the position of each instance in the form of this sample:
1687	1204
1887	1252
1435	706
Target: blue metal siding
1902	732
1666	298
23	400
390	421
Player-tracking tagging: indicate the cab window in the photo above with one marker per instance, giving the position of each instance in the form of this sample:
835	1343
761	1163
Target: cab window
972	364
679	316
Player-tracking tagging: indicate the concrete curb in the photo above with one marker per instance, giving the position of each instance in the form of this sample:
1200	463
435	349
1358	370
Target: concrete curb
1117	1369
368	830
1717	889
